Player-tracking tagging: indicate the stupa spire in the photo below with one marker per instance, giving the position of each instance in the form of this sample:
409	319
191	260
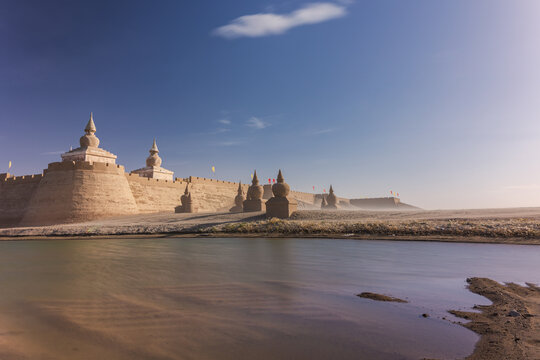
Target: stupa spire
255	180
154	148
90	126
280	178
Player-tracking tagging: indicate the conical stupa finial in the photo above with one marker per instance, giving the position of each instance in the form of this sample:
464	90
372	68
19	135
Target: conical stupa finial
187	190
255	179
280	177
331	191
154	148
240	188
90	127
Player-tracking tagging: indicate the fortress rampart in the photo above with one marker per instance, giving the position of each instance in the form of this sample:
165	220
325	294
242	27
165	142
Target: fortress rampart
74	191
15	194
88	184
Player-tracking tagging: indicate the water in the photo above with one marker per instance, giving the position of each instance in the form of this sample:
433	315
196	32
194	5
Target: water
176	298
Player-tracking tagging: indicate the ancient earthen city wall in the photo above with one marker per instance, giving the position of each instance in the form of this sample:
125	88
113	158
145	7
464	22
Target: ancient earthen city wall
79	191
15	194
209	195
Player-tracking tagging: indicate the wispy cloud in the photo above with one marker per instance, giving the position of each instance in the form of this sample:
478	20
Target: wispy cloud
321	131
265	24
230	143
224	121
220	131
256	123
522	187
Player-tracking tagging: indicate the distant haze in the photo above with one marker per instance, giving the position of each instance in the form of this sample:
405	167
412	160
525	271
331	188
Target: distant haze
436	100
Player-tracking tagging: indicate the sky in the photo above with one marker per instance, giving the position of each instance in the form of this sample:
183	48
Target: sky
436	100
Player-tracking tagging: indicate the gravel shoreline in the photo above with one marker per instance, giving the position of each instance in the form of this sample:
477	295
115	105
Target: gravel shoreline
514	226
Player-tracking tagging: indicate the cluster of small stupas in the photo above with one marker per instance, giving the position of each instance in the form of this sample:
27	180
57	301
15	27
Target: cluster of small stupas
279	205
330	201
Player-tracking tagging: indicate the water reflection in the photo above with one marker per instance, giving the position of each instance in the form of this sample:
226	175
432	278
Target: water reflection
242	298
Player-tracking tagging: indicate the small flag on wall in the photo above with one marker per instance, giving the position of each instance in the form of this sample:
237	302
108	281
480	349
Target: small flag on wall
9	166
213	169
313	187
269	181
324	190
251	176
273	180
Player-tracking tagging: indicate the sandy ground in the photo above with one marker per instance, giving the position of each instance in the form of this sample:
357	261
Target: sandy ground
510	327
518	225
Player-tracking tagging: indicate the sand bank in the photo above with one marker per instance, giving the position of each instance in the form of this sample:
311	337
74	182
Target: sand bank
510	327
515	226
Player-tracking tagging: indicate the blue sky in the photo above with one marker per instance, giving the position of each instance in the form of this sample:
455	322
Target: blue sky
437	100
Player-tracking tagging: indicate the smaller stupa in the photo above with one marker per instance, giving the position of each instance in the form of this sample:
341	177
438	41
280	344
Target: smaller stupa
254	201
331	200
280	205
153	167
238	200
187	203
323	202
89	149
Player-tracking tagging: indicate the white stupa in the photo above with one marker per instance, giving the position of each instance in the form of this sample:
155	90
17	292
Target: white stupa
153	167
89	149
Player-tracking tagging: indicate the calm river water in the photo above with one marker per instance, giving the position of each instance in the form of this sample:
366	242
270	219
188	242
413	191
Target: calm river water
175	298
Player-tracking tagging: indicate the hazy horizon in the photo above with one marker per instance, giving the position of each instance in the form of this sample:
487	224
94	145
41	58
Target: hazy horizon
435	100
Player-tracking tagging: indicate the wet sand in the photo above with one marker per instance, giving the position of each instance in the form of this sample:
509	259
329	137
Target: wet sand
514	226
510	326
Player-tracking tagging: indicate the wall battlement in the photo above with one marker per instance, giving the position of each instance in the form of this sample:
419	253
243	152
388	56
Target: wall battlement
199	180
10	179
84	165
133	177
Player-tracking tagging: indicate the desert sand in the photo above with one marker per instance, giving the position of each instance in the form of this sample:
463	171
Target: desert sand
518	225
510	327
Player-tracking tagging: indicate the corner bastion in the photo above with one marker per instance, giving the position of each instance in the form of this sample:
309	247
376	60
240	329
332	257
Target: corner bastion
73	191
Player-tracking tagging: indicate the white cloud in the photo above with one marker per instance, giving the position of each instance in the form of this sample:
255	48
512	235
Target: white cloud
230	143
256	123
322	131
273	24
224	121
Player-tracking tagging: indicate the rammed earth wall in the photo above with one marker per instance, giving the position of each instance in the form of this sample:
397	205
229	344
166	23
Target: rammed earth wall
79	191
15	194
